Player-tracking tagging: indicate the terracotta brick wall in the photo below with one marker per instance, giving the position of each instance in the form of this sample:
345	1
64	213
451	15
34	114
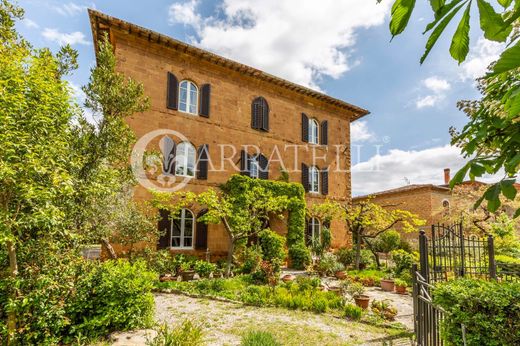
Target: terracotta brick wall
230	121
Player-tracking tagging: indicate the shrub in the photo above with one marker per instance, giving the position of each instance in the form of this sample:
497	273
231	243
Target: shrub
300	256
320	305
383	309
110	296
348	257
326	264
273	246
353	312
387	241
353	289
405	245
406	276
258	338
489	311
251	259
369	277
187	334
204	268
255	295
308	283
507	259
403	261
400	282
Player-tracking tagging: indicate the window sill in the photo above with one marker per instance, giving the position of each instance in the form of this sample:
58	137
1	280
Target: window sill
181	248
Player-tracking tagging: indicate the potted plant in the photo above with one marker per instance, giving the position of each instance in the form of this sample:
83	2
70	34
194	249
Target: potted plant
186	271
384	309
387	284
356	290
204	269
339	271
400	286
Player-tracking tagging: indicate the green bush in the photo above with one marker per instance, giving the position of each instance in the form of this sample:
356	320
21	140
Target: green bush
489	310
259	338
273	246
403	261
353	312
405	245
300	256
327	264
348	257
204	268
507	259
387	241
251	258
110	296
187	334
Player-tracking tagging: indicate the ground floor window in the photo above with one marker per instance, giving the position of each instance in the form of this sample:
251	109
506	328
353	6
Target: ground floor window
182	228
315	230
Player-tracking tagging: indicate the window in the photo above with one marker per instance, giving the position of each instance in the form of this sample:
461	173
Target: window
315	230
314	129
188	97
182	229
260	114
185	160
314	179
254	167
446	206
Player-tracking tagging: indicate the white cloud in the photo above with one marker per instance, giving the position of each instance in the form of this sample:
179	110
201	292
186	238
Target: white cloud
383	172
437	88
436	84
482	54
302	42
30	23
70	9
359	132
62	38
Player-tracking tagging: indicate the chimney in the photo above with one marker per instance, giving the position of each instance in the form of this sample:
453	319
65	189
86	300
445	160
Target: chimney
446	176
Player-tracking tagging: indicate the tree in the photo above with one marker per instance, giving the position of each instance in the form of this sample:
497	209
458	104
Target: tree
479	220
367	221
244	209
491	138
103	149
35	113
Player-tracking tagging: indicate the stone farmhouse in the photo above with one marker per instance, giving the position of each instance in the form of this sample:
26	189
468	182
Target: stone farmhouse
233	119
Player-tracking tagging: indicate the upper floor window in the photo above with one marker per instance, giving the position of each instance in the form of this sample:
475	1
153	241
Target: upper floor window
185	160
260	114
314	179
182	229
314	130
188	97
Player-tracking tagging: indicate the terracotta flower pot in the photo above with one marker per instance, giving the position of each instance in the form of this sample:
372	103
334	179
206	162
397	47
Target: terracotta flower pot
362	301
288	278
341	275
387	285
187	275
400	289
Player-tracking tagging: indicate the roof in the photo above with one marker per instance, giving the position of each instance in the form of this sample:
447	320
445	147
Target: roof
411	187
101	22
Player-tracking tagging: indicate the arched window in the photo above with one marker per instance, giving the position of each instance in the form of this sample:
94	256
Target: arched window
182	229
314	179
254	171
185	160
314	130
188	97
446	206
315	230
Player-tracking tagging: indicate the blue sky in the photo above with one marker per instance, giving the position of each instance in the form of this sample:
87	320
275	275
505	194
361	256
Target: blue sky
342	48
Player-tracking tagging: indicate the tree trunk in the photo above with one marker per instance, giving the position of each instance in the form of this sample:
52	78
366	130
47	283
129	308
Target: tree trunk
231	250
109	248
358	250
13	272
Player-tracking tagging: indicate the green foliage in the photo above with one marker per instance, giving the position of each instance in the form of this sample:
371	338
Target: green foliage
348	256
185	334
273	246
250	259
387	241
384	309
300	256
110	296
353	312
488	309
259	338
371	276
507	259
353	289
327	264
403	261
204	268
400	282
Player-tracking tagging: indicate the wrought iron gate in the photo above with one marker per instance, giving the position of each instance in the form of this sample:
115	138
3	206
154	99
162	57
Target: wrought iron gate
446	255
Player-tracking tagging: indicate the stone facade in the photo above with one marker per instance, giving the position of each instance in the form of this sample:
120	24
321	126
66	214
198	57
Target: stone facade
147	57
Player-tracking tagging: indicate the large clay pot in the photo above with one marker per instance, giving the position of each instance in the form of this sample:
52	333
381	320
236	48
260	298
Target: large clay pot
362	301
387	285
187	275
341	275
400	289
288	278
